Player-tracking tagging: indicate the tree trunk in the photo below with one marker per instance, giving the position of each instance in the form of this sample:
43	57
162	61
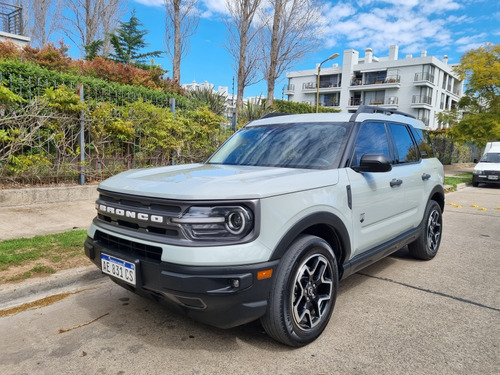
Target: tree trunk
176	72
273	52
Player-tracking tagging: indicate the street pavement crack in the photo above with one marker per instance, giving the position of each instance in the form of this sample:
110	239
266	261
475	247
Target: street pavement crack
432	292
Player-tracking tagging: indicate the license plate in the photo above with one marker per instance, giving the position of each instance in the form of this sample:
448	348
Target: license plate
492	177
119	268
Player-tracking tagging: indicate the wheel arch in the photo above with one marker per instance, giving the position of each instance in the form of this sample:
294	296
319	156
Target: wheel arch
437	194
324	225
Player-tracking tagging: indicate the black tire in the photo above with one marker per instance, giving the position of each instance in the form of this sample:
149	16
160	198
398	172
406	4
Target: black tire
303	293
475	183
427	245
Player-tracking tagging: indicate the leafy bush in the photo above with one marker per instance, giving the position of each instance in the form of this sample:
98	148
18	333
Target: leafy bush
215	101
57	60
40	140
448	150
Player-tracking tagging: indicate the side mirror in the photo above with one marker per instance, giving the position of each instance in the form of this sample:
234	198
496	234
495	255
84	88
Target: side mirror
373	163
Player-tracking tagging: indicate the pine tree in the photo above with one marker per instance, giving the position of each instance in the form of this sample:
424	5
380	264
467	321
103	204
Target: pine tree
128	41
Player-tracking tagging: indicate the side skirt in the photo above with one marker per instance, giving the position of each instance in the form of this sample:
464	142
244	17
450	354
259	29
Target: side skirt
373	255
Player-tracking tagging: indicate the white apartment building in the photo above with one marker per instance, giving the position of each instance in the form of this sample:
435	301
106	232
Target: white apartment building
422	86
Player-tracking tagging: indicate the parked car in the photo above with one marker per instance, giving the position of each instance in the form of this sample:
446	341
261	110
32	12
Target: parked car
487	170
267	227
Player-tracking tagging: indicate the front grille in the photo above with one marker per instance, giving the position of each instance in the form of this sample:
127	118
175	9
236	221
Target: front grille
126	247
494	173
139	214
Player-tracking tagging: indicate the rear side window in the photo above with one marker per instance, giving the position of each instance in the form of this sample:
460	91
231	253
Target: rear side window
424	143
407	151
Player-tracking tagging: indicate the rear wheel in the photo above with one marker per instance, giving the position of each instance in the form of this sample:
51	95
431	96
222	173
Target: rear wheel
427	245
303	294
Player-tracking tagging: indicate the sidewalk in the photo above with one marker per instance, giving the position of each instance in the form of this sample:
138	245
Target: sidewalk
38	211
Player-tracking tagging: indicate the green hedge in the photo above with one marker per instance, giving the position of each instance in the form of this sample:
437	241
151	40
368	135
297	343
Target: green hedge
29	80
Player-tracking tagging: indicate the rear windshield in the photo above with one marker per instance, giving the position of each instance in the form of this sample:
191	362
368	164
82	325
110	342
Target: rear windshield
303	145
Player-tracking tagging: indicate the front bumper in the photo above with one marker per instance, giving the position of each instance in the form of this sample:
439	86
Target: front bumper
224	297
487	177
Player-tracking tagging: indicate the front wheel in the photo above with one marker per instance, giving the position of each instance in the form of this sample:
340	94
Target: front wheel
427	244
303	294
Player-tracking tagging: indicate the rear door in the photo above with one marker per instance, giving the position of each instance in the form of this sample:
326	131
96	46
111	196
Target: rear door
408	167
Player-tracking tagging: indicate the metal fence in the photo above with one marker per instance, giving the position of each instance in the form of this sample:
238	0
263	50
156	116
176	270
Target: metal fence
39	145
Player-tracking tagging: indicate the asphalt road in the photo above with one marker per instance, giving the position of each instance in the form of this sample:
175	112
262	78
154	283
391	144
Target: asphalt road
399	316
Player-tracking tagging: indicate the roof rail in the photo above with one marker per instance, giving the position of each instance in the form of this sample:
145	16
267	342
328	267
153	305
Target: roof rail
376	109
273	114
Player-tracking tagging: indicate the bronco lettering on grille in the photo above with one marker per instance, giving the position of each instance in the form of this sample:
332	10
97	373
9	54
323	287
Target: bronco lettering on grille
129	214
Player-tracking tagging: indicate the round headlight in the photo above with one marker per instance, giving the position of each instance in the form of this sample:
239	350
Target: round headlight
236	222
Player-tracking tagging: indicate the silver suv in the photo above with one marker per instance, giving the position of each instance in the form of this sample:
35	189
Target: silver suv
267	227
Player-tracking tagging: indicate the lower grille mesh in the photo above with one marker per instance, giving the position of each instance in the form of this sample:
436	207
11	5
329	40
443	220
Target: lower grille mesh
127	247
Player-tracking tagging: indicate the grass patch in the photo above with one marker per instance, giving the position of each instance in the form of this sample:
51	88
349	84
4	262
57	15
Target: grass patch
52	248
460	178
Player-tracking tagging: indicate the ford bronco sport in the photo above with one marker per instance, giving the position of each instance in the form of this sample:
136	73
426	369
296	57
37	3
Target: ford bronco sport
269	224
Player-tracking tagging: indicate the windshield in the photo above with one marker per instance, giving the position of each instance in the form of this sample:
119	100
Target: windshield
491	157
289	146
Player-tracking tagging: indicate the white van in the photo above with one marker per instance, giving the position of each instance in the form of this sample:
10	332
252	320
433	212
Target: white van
488	168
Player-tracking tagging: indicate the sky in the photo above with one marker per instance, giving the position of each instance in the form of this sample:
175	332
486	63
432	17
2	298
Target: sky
441	27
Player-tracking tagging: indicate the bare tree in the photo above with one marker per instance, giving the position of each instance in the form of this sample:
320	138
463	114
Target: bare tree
241	43
181	22
291	31
92	20
40	18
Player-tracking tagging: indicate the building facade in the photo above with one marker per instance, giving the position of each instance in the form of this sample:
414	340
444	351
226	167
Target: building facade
422	86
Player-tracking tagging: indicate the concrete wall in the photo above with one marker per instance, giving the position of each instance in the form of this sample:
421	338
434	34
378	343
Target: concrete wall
42	195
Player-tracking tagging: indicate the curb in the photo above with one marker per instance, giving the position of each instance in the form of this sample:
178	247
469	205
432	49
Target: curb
38	288
460	186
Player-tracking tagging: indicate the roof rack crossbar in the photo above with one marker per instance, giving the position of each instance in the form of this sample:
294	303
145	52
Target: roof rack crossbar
376	109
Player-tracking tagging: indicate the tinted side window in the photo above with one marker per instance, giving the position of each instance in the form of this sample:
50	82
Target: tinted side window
424	143
407	151
372	139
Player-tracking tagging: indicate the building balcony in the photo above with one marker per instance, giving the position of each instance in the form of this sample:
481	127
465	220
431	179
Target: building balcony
423	79
328	103
309	86
355	102
11	25
421	101
289	89
375	83
11	19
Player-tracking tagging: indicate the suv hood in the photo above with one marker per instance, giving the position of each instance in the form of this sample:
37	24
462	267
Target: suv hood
209	182
482	166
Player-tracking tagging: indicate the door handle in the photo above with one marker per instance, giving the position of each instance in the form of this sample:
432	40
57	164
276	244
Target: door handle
396	182
426	176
